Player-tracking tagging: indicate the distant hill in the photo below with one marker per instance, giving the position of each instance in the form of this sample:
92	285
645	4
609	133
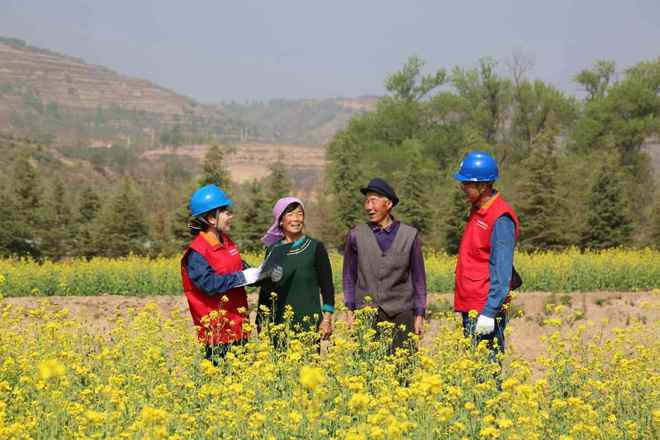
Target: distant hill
90	124
50	77
52	96
297	121
57	98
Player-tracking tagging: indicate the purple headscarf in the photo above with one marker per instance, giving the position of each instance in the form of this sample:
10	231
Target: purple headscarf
275	233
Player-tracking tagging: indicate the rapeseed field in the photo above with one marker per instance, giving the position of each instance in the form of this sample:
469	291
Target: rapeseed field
563	271
145	377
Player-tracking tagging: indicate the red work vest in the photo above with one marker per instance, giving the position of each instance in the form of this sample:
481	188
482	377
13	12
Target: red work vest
227	326
472	276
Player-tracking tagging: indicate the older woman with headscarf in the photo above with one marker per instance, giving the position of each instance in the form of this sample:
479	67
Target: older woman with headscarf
305	281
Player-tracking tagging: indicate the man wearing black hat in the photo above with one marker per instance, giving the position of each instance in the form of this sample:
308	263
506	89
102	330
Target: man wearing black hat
383	260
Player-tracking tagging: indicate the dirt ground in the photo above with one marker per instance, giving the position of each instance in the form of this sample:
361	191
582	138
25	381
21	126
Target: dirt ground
528	311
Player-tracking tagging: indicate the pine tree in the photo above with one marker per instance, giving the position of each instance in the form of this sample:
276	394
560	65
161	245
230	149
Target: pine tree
254	218
277	181
540	208
57	231
13	238
214	170
179	219
122	226
414	189
89	206
27	189
456	219
608	221
179	224
26	200
345	179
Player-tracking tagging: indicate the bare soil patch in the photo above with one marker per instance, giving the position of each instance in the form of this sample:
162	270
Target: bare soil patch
251	160
607	310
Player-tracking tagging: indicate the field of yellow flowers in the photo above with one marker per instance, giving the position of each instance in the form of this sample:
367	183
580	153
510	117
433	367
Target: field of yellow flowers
142	374
566	271
145	377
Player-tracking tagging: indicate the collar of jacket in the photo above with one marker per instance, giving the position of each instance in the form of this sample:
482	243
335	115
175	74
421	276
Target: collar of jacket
482	210
374	227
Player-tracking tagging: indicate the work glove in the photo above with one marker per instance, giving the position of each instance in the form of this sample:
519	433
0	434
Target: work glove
251	275
485	325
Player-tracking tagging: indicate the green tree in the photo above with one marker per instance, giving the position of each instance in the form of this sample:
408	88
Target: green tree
15	238
345	179
540	208
121	227
414	190
180	220
456	218
89	205
622	115
277	181
486	95
26	202
254	218
608	220
214	170
27	189
409	84
597	79
445	133
540	114
57	230
398	116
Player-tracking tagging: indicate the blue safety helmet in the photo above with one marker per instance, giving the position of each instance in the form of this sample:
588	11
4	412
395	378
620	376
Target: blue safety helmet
208	198
477	166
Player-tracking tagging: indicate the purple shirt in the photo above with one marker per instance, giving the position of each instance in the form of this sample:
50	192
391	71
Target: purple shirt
385	238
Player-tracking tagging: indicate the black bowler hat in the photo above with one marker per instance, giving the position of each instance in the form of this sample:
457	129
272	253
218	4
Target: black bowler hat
381	187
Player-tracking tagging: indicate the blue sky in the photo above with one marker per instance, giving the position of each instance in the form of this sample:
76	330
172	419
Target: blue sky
214	50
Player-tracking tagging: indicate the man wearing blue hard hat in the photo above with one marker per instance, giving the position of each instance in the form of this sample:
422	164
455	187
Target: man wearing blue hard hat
213	274
484	268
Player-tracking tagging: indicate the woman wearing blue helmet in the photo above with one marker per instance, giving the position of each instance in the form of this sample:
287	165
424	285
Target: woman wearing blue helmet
213	274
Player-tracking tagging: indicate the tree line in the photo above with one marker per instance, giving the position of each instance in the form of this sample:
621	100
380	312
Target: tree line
44	218
574	168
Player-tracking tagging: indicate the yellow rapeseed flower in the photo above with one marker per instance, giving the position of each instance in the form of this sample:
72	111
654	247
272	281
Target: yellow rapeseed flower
312	377
359	402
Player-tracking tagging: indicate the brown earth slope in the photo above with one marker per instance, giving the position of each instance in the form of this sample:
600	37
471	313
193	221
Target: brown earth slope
74	84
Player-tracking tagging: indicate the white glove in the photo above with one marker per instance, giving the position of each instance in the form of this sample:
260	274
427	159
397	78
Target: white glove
251	275
485	325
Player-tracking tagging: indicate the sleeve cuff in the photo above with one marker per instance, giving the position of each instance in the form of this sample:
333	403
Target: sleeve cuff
240	279
489	312
420	312
327	308
350	306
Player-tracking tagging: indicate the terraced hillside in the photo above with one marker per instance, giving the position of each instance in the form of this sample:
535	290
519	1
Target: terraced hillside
61	97
74	84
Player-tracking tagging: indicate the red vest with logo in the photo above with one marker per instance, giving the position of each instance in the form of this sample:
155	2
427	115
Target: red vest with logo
472	276
226	323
